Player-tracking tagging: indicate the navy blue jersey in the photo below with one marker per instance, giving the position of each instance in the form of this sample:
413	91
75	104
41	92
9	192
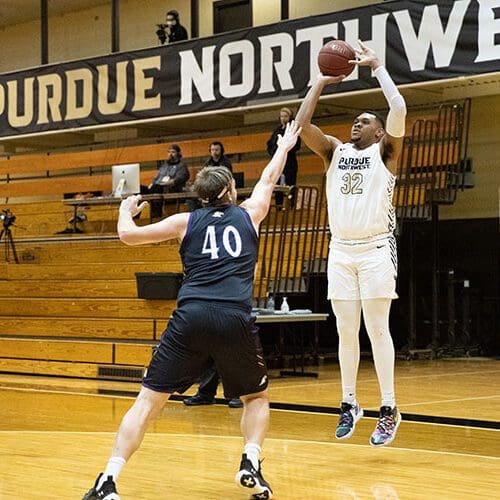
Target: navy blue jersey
219	253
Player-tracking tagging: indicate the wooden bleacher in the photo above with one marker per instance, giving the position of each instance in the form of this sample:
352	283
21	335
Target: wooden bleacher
70	308
56	173
74	310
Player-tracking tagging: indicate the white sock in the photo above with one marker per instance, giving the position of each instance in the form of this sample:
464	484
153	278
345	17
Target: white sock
252	451
114	467
388	399
349	396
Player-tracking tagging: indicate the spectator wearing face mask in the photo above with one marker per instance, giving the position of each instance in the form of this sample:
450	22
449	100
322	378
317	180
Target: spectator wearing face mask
172	31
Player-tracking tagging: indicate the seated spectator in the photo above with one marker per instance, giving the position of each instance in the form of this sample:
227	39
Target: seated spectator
172	31
217	157
172	177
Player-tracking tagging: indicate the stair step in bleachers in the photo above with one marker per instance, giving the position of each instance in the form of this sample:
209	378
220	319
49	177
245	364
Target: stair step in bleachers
97	288
87	271
86	308
96	252
87	351
82	328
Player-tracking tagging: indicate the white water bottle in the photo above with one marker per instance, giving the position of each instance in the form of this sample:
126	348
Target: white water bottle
270	303
285	308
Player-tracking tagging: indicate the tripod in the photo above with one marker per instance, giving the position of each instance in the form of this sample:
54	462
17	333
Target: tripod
6	234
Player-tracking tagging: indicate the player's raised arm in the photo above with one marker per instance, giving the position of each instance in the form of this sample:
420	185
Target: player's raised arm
392	142
323	145
258	204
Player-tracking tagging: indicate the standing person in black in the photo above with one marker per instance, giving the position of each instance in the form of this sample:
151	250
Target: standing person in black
289	177
171	177
219	250
172	31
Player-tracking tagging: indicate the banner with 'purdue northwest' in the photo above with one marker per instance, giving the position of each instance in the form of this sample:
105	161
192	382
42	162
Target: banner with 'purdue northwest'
417	41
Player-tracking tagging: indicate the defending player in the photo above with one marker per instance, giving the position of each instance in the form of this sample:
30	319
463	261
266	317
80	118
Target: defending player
219	247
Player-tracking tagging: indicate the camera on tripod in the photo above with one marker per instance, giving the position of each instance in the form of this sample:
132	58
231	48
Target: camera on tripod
7	218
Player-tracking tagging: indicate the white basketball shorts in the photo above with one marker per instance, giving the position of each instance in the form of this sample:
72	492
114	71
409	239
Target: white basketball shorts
362	270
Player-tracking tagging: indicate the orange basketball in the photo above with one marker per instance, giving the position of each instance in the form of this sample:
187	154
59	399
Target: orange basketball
334	57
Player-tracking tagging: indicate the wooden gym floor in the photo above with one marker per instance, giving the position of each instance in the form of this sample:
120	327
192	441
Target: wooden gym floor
56	434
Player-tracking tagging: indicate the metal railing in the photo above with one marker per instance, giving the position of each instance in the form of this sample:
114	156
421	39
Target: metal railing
433	161
289	245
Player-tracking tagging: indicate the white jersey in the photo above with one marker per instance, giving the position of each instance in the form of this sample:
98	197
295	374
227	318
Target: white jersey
359	190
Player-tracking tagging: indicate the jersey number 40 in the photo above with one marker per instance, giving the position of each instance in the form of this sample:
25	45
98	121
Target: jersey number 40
231	245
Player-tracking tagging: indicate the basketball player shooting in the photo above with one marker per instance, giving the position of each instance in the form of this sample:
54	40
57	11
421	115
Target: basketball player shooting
362	262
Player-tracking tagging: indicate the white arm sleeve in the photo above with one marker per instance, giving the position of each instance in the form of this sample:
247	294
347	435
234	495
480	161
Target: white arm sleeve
397	108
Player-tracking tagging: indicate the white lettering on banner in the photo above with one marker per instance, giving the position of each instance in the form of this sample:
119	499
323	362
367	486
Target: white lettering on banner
431	34
25	119
246	49
377	43
282	67
202	78
73	111
488	28
103	105
143	83
316	37
52	103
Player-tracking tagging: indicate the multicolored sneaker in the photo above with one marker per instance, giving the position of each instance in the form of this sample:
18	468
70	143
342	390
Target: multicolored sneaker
106	492
349	415
387	425
251	480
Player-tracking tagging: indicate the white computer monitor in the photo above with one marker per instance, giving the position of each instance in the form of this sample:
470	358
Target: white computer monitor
126	179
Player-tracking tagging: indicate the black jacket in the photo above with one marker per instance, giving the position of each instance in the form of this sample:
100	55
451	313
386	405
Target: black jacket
291	159
177	34
223	161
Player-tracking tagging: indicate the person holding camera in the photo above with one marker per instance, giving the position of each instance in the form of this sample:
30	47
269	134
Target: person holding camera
172	31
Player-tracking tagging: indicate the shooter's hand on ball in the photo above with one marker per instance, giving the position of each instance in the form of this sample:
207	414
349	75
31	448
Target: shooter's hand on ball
365	56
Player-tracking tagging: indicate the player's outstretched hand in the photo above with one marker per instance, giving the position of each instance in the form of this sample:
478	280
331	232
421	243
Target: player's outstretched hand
329	80
289	138
131	205
365	56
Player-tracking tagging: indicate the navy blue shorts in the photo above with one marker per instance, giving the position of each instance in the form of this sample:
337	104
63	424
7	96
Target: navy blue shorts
199	332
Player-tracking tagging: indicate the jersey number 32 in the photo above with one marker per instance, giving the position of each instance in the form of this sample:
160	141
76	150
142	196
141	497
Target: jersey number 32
352	183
